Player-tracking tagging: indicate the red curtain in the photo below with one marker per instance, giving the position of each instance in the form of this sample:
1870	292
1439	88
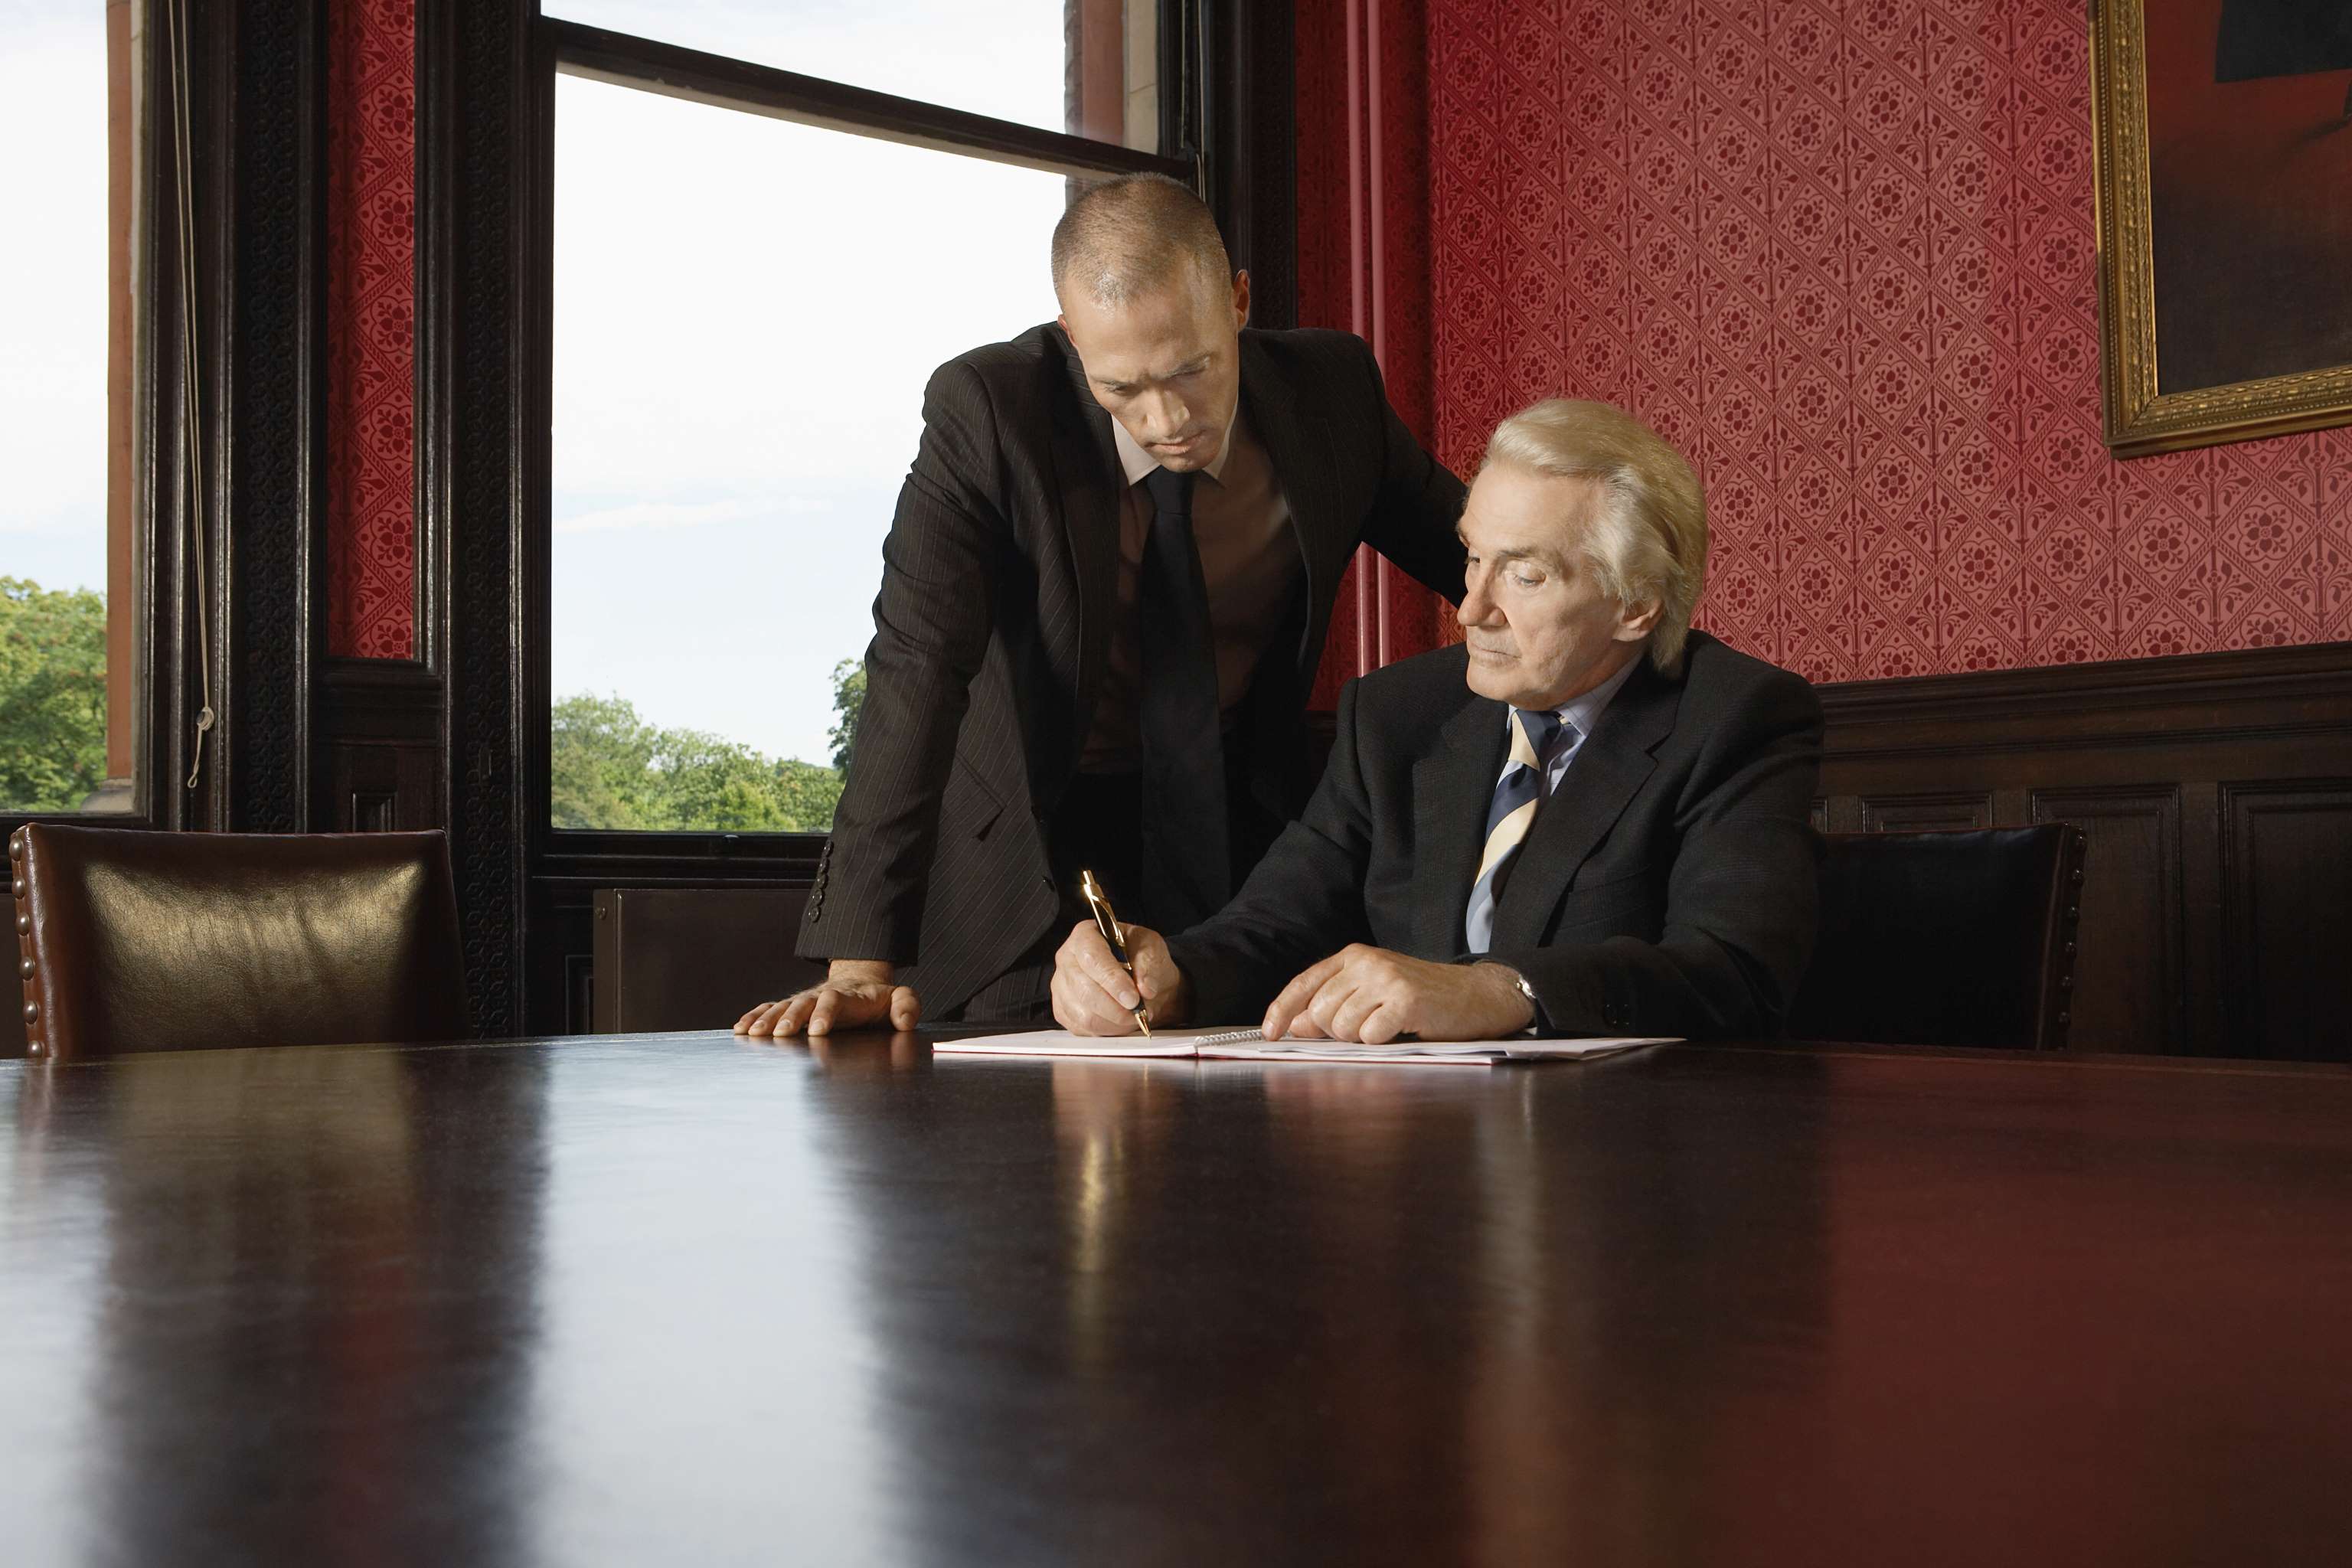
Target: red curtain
1364	267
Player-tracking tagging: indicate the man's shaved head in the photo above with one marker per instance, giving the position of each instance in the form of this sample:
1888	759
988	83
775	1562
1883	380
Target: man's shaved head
1132	235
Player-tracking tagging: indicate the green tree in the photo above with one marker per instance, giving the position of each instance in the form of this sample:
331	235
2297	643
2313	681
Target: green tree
52	696
609	768
848	701
602	766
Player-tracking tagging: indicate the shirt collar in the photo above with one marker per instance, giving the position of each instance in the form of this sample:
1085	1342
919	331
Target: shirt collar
1585	712
1137	462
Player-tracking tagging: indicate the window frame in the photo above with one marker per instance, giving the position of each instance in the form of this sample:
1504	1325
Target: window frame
596	858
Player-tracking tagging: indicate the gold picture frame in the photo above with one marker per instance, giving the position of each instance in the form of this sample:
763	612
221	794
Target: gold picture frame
2142	417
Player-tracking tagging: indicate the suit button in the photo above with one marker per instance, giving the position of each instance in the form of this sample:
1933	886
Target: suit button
1047	883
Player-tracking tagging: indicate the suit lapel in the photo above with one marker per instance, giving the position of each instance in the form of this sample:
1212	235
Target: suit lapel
1448	828
1087	480
1613	764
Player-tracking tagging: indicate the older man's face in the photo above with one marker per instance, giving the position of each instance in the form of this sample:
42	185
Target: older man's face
1166	364
1541	631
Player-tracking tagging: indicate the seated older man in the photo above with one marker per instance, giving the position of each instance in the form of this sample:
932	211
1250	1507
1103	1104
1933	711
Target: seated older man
1587	819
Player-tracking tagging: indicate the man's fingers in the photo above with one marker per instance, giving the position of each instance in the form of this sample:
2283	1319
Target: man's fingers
1099	962
1383	1025
1155	968
1293	998
1084	1007
1085	954
824	1008
1341	1004
819	1015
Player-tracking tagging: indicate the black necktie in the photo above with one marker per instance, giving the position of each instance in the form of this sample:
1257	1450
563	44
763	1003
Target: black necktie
1186	874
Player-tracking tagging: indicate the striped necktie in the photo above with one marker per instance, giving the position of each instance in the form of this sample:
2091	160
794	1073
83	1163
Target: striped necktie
1520	790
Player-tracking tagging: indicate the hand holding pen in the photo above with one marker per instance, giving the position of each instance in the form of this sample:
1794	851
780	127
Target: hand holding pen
1114	979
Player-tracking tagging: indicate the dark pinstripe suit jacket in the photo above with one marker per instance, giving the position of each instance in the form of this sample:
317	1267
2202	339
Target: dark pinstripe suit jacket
1000	577
1668	886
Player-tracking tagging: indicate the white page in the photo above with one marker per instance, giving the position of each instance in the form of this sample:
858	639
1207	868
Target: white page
1251	1047
1062	1042
1249	1044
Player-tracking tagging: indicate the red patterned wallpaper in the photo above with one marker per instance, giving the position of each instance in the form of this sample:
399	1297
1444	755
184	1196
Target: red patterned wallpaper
370	334
1843	255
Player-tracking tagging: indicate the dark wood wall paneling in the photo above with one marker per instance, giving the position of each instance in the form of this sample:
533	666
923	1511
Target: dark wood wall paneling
2216	791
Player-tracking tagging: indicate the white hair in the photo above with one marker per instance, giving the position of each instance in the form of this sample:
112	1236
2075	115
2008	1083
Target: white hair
1647	535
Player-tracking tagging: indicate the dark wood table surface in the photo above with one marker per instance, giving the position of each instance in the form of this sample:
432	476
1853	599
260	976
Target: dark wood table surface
690	1299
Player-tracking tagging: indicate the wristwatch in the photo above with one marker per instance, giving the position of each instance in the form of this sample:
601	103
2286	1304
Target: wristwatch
1535	1004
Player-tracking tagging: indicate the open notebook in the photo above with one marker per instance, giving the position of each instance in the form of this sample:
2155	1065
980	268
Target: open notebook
1248	1045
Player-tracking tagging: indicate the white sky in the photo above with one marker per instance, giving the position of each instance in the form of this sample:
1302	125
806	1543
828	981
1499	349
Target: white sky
53	293
746	312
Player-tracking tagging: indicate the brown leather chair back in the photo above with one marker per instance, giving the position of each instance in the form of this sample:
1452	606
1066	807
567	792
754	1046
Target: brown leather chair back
166	942
1945	939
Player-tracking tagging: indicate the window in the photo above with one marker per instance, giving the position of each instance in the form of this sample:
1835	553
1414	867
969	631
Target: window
753	280
1090	69
69	96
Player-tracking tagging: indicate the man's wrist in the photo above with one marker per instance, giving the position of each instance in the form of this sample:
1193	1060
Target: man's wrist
859	972
1511	983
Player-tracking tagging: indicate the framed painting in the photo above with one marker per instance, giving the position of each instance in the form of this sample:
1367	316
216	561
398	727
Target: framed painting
2224	145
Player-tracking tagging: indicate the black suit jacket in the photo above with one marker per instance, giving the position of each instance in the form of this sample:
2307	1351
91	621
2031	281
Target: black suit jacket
1668	886
999	582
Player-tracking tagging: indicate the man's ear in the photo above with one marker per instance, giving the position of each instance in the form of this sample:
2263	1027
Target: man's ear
1063	323
1241	299
1636	622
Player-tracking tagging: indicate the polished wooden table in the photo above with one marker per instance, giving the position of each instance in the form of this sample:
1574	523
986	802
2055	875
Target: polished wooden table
690	1299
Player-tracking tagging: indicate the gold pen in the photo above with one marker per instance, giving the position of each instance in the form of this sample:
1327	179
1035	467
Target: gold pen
1107	924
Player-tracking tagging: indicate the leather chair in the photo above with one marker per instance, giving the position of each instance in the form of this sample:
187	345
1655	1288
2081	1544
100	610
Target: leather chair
1945	939
166	942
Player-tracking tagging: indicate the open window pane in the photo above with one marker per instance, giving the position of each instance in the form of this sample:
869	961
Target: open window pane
1088	66
746	313
69	96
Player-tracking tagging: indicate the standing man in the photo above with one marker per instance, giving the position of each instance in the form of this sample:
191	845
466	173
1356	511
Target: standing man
1103	598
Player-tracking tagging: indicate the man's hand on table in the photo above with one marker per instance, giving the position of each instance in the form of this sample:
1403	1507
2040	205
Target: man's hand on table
1093	996
857	993
1373	996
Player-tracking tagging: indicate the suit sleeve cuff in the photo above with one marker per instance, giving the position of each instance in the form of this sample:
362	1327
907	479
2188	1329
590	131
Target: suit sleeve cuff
1578	992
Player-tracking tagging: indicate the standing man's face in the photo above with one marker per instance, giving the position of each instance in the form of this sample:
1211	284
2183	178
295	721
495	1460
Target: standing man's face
1166	364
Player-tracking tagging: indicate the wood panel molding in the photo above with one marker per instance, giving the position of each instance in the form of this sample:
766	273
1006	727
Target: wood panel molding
2216	791
2286	912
